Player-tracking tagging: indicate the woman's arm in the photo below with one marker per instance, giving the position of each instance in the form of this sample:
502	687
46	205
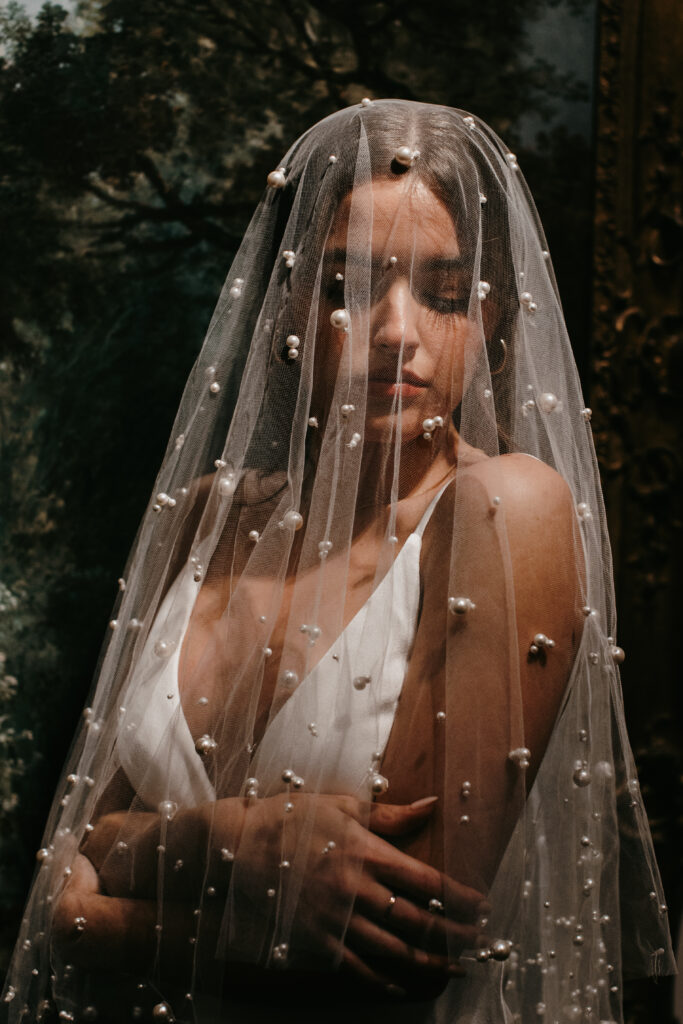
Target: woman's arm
518	559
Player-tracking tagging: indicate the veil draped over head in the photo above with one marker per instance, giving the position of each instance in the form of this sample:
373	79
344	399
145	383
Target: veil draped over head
374	570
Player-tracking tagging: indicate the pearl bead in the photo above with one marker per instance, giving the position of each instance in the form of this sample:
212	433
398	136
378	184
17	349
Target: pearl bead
293	353
290	678
525	298
42	854
353	443
312	728
287	775
297	782
501	949
512	161
164	648
541	640
324	548
214	387
583	510
167	809
379	785
280	951
587	413
428	424
293	341
267	652
254	536
548	401
469	121
360	682
460	605
482	198
487	392
532	307
405	156
162	1011
581	777
441	716
366	101
80	923
203	701
464	819
466	789
289	256
340	319
483	288
435	906
292	520
483	955
277	179
618	655
205	745
331	159
520	756
227	855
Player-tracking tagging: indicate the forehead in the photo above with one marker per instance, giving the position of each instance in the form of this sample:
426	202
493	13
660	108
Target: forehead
403	212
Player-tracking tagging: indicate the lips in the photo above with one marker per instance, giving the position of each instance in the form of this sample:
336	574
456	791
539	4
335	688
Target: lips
388	376
382	383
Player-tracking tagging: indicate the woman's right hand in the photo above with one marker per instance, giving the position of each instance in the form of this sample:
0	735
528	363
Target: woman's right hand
363	905
378	913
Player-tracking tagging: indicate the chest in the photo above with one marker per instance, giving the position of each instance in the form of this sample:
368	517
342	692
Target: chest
248	645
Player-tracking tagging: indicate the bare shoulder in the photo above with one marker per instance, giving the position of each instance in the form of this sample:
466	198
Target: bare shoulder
530	488
511	516
531	498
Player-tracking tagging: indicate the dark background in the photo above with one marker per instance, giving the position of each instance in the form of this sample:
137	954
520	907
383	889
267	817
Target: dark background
135	137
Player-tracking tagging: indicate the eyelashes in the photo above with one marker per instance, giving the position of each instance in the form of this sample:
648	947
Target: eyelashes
442	305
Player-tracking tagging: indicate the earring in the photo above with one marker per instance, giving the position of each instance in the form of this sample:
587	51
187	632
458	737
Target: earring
499	369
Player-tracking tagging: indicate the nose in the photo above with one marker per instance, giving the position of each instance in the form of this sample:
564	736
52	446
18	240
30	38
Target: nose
395	320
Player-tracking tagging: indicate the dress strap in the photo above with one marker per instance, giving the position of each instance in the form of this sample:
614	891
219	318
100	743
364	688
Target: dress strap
420	528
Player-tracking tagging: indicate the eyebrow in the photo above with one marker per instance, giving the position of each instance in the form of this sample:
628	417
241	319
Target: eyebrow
431	263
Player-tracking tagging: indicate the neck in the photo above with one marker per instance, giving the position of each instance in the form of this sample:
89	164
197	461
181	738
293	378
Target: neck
423	465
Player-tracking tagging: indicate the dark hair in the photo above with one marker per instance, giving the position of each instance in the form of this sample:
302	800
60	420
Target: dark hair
468	177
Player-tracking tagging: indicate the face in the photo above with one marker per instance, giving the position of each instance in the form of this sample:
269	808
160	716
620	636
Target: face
408	327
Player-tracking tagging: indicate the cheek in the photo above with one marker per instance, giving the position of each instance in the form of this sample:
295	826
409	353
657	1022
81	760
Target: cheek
452	346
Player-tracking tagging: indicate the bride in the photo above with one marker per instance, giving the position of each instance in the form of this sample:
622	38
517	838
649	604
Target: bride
357	743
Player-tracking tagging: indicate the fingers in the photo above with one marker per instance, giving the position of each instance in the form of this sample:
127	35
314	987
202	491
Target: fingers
432	932
398	819
351	964
421	882
370	938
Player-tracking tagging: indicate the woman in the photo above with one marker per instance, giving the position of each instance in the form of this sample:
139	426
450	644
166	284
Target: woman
357	740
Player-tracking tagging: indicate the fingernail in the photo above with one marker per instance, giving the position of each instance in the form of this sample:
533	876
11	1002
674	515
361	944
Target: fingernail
426	801
395	990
